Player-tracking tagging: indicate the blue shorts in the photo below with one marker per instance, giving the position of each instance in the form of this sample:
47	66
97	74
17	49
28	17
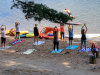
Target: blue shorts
84	42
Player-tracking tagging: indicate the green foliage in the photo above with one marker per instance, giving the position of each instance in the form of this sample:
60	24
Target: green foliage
39	12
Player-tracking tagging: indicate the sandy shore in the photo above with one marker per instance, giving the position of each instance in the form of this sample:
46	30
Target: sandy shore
43	62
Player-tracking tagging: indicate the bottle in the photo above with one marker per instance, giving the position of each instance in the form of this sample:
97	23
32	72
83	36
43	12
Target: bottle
95	67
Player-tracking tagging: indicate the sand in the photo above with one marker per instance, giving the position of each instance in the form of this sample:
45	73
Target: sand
43	62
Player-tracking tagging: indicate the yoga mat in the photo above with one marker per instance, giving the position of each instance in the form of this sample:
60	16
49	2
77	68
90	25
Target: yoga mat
39	43
6	47
17	41
72	48
83	50
29	51
55	51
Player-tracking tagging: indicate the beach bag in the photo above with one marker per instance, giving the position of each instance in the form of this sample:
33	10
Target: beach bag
94	47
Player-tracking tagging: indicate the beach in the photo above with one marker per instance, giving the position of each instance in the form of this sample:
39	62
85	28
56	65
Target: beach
43	62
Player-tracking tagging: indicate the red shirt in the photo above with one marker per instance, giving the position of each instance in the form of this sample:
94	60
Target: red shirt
94	45
62	28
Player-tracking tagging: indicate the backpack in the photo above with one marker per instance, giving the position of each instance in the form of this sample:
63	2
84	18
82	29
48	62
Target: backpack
94	47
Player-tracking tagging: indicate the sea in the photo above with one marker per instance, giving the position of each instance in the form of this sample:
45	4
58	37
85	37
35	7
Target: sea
85	11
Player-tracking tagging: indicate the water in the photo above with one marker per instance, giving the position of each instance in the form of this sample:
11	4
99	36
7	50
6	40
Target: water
85	11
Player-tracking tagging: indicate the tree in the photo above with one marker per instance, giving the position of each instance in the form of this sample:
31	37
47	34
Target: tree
39	11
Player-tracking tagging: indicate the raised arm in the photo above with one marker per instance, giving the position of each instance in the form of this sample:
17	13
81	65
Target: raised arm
53	31
5	27
1	27
82	27
86	28
18	23
72	26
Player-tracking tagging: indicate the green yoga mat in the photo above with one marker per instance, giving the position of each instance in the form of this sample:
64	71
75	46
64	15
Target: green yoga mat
29	51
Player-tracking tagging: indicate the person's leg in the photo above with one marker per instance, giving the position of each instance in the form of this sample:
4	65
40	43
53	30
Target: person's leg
16	36
85	44
4	42
57	46
71	43
34	38
81	43
19	36
37	39
54	46
1	44
63	35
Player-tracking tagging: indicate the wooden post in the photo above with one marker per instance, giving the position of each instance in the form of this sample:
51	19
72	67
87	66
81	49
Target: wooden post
96	53
92	59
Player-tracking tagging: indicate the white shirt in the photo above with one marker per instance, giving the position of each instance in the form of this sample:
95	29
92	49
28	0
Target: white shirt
17	28
3	34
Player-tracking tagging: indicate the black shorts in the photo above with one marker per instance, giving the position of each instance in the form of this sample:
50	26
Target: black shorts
3	40
70	38
17	32
36	34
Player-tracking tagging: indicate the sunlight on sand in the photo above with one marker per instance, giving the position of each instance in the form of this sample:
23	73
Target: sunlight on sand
11	63
66	64
32	66
40	68
10	51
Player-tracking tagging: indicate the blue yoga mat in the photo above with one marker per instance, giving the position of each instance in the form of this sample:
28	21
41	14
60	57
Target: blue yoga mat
39	43
83	50
55	51
72	48
6	47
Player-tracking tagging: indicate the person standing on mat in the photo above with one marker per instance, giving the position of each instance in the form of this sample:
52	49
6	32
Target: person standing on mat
3	36
83	38
70	30
62	30
36	33
55	41
17	26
